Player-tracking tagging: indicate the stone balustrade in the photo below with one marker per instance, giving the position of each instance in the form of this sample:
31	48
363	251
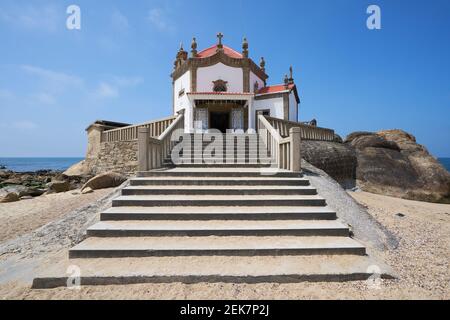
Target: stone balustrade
129	133
284	151
307	132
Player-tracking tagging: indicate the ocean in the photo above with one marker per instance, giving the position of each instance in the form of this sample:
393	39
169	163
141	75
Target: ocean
62	164
445	162
36	164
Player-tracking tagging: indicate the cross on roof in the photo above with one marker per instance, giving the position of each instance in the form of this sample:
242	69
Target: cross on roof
220	36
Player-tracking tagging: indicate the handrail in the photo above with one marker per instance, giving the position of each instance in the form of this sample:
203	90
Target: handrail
307	132
131	132
284	152
153	151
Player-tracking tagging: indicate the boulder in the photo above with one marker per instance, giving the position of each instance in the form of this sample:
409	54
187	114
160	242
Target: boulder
336	159
105	180
79	169
392	163
12	181
373	141
5	174
58	186
87	190
357	134
21	191
6	196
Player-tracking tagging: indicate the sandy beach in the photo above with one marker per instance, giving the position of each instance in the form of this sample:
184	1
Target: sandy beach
421	259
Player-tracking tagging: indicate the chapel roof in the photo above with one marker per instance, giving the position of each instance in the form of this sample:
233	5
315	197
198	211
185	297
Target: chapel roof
276	88
208	52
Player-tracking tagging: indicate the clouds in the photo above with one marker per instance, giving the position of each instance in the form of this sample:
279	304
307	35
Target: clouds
160	20
32	17
24	125
119	21
53	80
106	90
52	84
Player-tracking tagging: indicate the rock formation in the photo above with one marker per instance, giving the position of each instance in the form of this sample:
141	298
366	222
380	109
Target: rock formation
392	163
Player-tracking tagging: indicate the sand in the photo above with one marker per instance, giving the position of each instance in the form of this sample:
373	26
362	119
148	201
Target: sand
421	261
19	218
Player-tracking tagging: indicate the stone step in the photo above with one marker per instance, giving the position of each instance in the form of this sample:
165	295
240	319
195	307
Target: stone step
218	172
219	190
214	246
220	181
217	213
219	200
170	228
223	165
213	269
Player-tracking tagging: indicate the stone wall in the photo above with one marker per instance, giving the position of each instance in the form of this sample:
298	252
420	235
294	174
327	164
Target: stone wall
120	156
336	159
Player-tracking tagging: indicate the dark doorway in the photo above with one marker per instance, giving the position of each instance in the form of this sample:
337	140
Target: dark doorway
220	121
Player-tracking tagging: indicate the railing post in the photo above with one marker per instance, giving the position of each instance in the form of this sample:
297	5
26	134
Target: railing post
295	154
143	145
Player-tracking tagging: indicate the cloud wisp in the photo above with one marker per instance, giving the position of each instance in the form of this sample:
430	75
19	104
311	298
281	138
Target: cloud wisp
160	20
32	17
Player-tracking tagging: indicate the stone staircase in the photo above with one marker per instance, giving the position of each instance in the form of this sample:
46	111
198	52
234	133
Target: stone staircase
226	223
235	150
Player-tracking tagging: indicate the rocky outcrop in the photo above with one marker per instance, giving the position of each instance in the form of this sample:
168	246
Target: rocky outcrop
34	184
58	186
392	163
79	169
8	196
104	180
336	159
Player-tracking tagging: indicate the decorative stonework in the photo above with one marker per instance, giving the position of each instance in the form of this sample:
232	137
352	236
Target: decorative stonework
220	86
219	57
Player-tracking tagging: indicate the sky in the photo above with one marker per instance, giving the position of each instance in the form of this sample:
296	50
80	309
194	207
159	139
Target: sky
54	81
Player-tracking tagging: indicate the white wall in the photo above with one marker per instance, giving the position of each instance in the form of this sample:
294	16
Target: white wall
253	78
206	76
183	82
275	105
293	107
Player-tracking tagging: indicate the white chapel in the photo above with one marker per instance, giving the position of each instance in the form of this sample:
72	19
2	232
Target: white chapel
221	88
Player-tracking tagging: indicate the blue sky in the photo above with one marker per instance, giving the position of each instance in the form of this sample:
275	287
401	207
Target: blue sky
54	82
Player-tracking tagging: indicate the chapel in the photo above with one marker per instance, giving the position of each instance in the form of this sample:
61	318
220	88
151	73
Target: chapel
224	89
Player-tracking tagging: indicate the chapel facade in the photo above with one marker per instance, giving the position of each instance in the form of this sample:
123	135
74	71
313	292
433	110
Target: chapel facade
221	88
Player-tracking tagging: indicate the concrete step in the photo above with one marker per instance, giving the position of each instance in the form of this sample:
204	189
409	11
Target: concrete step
217	213
219	190
218	246
219	200
222	165
220	181
212	269
166	228
218	172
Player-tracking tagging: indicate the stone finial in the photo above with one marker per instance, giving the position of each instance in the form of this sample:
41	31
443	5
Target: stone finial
219	37
194	47
256	87
182	56
262	64
291	77
286	80
245	48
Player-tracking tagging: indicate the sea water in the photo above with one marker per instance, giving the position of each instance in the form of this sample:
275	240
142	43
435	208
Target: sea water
36	164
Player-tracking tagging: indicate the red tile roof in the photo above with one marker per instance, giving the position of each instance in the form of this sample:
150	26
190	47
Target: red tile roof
221	93
276	88
212	50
